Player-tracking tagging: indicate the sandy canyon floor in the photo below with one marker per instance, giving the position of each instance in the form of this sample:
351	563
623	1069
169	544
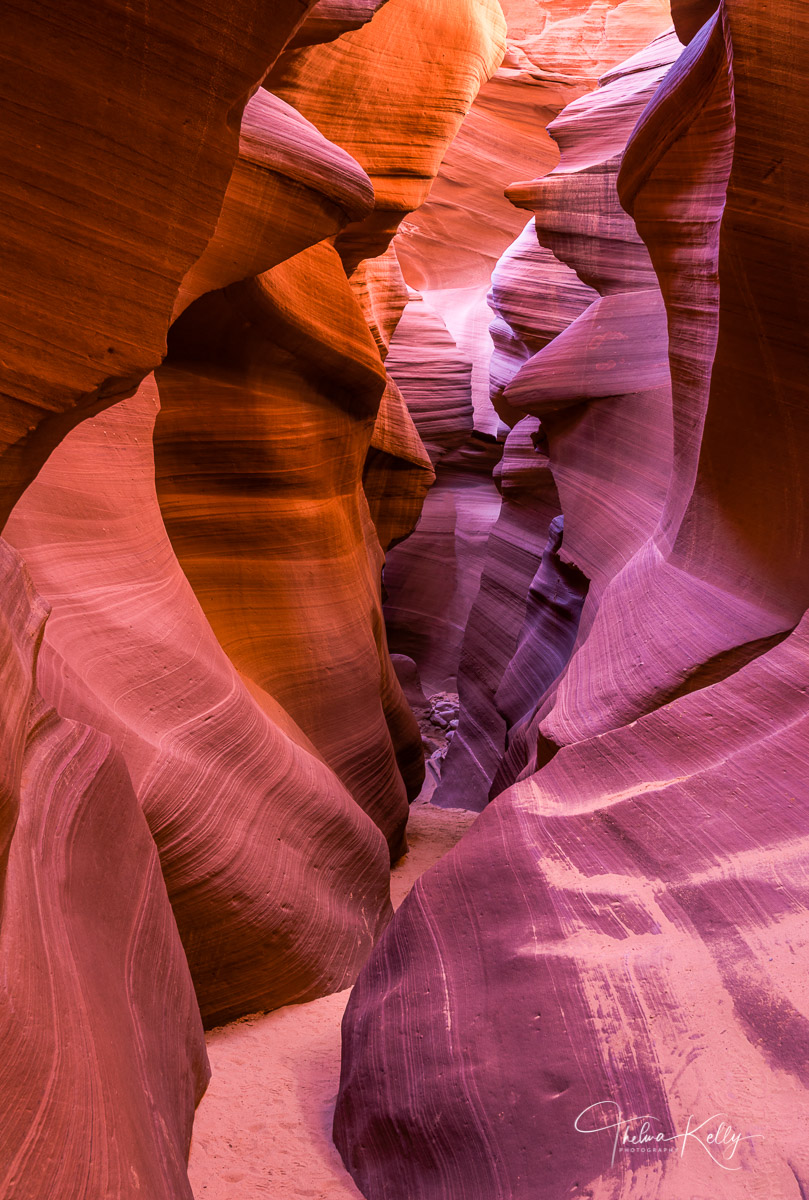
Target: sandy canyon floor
264	1125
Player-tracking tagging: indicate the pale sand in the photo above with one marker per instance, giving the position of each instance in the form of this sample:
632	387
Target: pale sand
264	1125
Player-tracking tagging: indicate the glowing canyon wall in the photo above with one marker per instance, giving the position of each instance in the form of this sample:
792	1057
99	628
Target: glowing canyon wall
199	593
355	341
622	931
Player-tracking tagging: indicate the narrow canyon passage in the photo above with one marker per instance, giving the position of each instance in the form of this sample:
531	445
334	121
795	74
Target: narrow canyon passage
264	1125
404	431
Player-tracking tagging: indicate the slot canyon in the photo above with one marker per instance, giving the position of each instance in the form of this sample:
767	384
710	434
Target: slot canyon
404	625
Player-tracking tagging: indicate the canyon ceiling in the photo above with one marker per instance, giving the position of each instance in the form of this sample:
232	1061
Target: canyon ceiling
356	355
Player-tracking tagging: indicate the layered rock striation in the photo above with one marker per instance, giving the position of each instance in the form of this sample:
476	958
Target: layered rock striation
598	381
116	168
448	250
255	435
618	938
99	1025
277	880
206	788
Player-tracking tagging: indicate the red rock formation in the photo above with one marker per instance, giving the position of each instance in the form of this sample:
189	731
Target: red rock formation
100	1036
290	187
277	880
112	191
448	250
395	114
521	327
433	377
643	893
690	15
715	556
208	750
331	18
529	501
306	377
432	578
609	932
598	379
266	512
397	473
523	587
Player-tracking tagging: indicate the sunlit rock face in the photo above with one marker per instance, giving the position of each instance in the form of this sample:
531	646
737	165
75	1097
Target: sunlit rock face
229	718
581	344
257	433
449	249
277	879
99	1026
115	170
266	511
264	498
619	934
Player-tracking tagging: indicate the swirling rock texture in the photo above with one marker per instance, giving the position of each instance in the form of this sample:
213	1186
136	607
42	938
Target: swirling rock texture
207	748
296	387
278	880
620	936
448	250
599	415
284	370
99	1026
115	170
431	578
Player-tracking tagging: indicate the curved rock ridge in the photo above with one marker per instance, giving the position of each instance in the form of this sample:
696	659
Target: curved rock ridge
290	187
530	501
278	880
724	555
102	1047
398	472
248	748
602	386
395	120
583	536
434	379
598	379
377	93
637	947
269	401
111	191
620	937
432	578
521	629
331	18
520	327
450	246
513	559
284	366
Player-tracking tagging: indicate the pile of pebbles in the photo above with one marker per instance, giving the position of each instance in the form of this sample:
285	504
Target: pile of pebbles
438	724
